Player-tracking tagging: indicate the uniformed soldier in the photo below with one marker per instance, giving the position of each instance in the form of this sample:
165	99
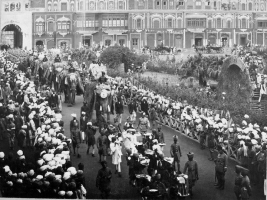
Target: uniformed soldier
103	180
238	181
57	59
220	168
176	153
192	168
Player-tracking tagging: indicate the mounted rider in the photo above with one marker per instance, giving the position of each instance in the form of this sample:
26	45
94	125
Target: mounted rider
57	59
45	59
71	69
103	79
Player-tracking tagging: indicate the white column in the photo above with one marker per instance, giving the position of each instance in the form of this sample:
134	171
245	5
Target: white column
184	39
234	37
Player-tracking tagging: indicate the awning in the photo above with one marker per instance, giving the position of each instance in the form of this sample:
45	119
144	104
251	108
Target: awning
261	18
195	16
198	30
114	32
87	32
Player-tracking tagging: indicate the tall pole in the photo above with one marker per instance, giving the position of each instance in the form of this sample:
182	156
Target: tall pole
1	13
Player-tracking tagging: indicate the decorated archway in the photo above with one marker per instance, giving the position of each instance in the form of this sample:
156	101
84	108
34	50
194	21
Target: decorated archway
12	36
234	81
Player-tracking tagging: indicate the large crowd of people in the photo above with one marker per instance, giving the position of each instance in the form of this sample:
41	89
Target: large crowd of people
31	118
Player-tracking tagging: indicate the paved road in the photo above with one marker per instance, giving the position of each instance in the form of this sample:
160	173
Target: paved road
204	189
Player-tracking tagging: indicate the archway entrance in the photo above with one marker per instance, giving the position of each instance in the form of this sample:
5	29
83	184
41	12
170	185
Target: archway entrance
12	36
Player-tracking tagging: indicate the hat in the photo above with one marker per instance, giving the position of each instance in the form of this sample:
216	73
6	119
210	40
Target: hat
175	137
61	193
83	113
2	155
69	193
66	176
190	155
74	115
19	152
24	127
89	123
39	177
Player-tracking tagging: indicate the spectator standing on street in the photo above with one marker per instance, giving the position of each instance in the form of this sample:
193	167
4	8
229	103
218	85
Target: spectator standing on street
119	109
220	168
144	105
153	116
245	185
115	147
102	145
132	107
176	153
192	168
90	136
103	180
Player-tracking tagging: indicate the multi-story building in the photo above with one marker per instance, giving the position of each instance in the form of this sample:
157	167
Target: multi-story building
16	21
80	22
183	23
137	23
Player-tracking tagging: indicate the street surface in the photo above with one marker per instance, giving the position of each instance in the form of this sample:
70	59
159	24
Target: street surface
204	189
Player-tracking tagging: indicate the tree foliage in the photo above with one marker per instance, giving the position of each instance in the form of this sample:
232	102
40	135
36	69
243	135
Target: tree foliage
113	56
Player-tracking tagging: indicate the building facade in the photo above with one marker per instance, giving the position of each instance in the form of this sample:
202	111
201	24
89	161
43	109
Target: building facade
137	23
16	21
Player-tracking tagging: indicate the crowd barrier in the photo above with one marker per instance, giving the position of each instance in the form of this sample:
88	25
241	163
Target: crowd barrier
176	124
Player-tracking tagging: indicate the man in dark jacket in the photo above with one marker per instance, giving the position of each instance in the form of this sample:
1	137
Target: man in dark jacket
144	106
119	109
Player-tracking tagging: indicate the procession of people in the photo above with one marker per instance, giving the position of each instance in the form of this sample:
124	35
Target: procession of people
31	119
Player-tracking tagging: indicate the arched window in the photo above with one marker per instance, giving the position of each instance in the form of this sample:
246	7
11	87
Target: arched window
81	5
210	24
138	24
228	24
121	5
64	6
157	4
92	5
156	24
219	23
164	4
111	5
243	6
250	6
243	23
55	6
169	25
101	5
